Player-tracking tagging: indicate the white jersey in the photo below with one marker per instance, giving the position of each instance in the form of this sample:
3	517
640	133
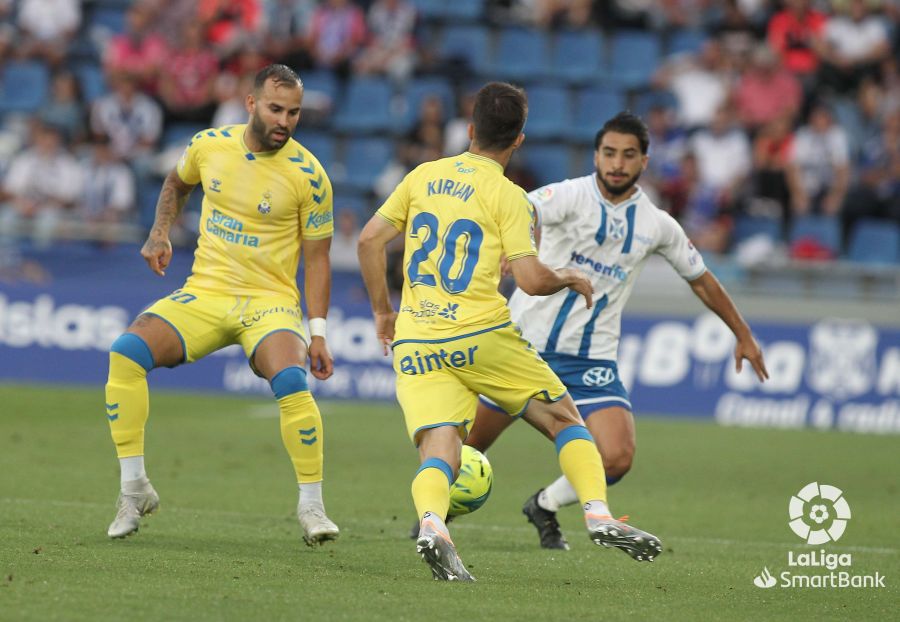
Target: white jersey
610	243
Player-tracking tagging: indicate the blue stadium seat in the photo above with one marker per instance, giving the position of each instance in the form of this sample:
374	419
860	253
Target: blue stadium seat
875	242
549	112
593	107
322	82
647	100
457	10
109	19
548	163
577	56
466	44
417	91
91	81
365	106
634	57
520	54
24	86
823	229
746	227
364	160
686	42
356	203
321	144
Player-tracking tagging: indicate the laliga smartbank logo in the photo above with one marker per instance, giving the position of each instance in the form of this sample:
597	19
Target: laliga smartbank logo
818	514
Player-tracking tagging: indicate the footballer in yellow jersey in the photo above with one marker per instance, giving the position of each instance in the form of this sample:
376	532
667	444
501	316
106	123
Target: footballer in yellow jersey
453	337
267	200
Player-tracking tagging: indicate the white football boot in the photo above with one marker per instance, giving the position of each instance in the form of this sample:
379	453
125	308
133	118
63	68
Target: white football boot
438	551
317	527
607	531
137	499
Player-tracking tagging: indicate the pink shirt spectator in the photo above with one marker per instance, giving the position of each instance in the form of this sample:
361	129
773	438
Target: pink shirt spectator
190	71
139	51
766	91
338	30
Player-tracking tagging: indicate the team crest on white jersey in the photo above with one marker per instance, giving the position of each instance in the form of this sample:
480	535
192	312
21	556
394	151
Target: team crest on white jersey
616	229
598	377
265	206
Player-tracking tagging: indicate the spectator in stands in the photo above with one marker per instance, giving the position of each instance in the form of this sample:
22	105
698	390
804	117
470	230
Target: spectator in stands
337	32
47	28
169	15
852	46
343	244
766	91
559	13
700	83
819	171
186	87
735	30
772	147
391	48
456	133
42	184
668	144
108	193
706	222
231	93
131	119
230	24
427	134
287	24
64	108
792	34
876	193
140	51
723	157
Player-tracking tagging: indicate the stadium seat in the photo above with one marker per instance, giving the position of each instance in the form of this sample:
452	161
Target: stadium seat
520	54
365	106
747	227
548	163
179	134
465	44
24	86
91	81
364	160
356	203
634	57
875	242
417	91
593	107
455	11
321	144
823	230
644	102
323	82
108	19
577	56
686	41
549	112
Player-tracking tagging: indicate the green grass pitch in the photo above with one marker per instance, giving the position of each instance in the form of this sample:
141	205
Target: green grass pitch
226	544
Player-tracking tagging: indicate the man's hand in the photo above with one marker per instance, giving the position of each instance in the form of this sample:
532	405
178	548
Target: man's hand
749	349
384	328
321	363
157	252
579	283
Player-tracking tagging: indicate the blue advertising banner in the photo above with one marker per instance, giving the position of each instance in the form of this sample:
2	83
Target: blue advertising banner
833	373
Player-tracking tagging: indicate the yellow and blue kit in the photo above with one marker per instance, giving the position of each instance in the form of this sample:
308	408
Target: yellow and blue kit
454	338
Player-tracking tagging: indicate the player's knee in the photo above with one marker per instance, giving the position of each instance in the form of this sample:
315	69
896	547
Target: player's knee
133	348
288	381
617	461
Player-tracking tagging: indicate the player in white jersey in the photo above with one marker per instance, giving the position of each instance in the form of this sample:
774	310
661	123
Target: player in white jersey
604	225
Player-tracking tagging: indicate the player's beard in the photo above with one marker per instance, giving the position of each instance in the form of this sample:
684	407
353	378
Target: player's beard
264	134
619	189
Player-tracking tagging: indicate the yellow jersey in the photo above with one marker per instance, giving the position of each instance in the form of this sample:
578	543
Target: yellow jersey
257	209
459	215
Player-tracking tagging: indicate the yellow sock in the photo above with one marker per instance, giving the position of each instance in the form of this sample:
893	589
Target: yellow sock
127	404
301	432
581	464
431	487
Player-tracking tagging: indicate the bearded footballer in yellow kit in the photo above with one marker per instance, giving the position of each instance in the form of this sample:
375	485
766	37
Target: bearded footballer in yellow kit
453	337
266	199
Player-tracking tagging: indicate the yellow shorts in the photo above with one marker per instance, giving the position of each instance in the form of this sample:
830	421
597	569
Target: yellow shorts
438	382
206	322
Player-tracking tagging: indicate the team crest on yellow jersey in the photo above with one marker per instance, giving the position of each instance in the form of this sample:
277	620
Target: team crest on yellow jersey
265	206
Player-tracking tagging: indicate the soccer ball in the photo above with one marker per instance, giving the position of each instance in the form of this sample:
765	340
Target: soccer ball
473	486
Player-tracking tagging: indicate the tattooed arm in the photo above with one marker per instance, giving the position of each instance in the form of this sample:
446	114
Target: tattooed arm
157	250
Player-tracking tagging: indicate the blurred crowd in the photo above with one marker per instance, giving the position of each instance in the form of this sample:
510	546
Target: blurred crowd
770	112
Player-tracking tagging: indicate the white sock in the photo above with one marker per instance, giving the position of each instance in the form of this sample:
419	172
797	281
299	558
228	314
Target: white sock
558	494
437	521
597	507
311	494
131	469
